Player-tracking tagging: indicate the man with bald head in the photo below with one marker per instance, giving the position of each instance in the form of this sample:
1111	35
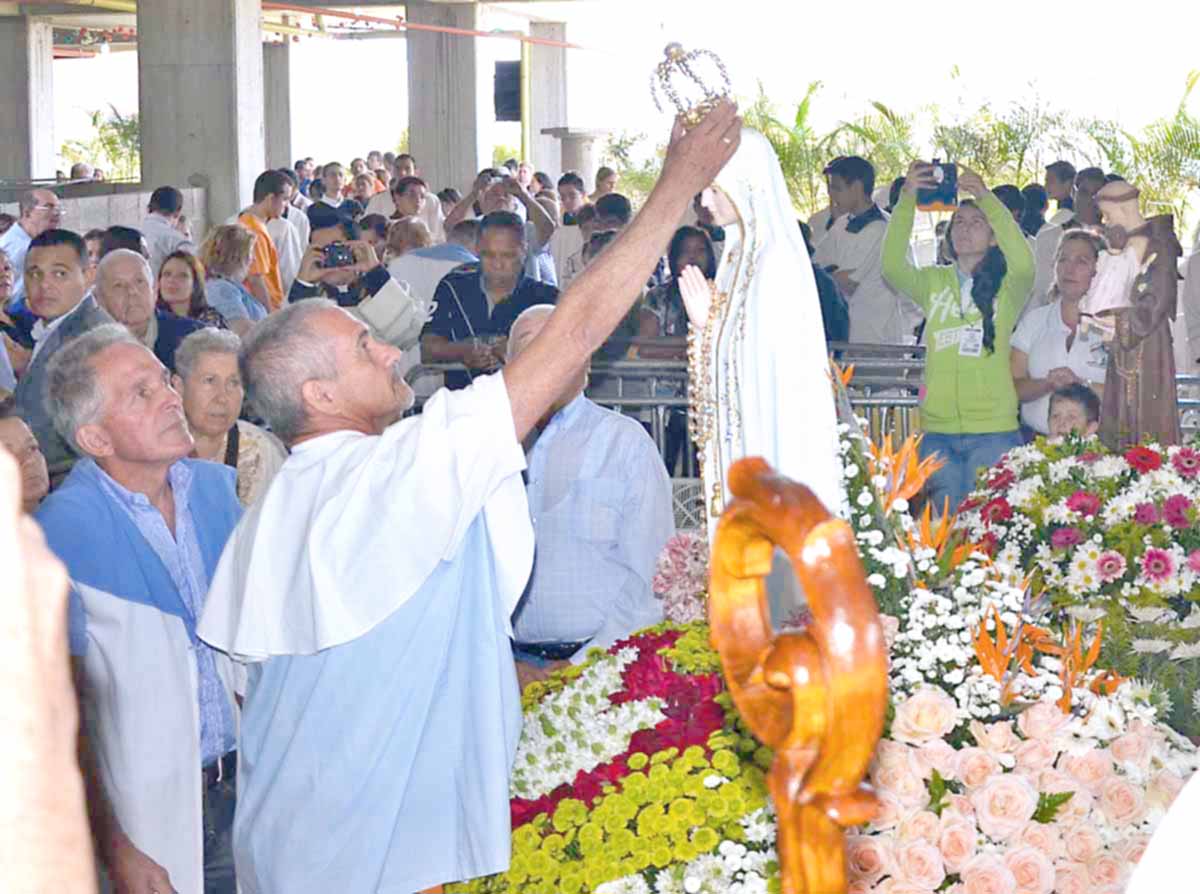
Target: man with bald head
125	289
371	587
600	501
140	528
40	211
57	286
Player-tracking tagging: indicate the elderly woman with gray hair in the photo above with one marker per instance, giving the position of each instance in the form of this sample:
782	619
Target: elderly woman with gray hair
208	380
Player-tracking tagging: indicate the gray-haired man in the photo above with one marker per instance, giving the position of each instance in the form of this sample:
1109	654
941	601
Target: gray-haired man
140	528
371	587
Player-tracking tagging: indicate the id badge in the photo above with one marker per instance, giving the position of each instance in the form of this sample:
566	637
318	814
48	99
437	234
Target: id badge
970	343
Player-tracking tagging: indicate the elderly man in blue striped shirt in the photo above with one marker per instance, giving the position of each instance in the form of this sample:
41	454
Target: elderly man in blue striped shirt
600	500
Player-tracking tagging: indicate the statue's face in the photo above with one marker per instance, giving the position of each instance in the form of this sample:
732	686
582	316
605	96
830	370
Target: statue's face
718	203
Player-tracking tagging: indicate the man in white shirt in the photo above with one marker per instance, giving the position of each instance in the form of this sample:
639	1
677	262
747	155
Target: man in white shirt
161	228
852	253
290	233
428	208
381	711
39	211
600	500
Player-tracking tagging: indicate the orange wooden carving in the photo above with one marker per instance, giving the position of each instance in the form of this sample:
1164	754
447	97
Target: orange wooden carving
818	698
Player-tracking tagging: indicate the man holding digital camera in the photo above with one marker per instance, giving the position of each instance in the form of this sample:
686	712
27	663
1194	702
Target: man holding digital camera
341	266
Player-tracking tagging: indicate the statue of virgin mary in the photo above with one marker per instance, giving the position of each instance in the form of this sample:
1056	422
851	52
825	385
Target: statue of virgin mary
758	366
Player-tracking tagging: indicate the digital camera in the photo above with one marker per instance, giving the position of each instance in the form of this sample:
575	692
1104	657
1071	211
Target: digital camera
337	254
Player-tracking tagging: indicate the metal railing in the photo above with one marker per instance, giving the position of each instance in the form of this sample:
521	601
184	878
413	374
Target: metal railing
884	390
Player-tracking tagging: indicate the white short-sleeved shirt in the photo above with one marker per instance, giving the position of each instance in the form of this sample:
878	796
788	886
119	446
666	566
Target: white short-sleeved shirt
1042	336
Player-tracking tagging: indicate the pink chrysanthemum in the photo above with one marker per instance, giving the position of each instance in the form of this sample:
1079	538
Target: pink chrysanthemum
1111	566
1083	503
1186	462
1193	560
1066	537
1175	511
1145	514
1157	565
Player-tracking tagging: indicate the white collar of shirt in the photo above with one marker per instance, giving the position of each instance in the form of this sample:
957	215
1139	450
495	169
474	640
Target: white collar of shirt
41	329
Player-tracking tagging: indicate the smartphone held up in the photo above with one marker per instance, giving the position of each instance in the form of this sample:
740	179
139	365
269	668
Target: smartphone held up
943	196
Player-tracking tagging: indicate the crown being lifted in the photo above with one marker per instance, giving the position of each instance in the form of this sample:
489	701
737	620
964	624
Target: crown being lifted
681	93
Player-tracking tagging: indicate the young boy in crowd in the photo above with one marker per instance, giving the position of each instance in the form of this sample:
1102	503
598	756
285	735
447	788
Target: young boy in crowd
1074	410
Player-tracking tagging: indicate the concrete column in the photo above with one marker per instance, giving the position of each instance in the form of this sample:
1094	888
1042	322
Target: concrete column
548	88
200	80
581	150
27	148
449	96
277	100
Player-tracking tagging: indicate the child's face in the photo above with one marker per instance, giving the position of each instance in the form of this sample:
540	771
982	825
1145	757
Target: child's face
1070	417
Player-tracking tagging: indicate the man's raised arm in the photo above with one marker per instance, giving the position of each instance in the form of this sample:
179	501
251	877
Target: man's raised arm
600	297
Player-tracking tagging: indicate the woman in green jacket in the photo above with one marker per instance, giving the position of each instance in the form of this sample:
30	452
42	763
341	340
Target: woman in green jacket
968	402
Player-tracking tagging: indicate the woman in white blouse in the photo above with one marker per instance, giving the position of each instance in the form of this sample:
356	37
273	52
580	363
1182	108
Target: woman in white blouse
1049	349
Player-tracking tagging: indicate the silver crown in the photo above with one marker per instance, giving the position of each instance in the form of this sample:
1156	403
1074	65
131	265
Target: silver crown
677	78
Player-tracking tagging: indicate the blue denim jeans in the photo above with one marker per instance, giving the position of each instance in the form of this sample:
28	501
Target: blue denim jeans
220	802
964	456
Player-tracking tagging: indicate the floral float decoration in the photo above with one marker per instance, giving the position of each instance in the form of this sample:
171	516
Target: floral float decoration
1018	756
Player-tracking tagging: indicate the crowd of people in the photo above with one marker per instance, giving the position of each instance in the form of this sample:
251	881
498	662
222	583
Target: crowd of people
156	387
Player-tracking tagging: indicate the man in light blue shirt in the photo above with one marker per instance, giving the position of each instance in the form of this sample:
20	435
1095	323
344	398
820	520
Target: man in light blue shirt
600	500
372	585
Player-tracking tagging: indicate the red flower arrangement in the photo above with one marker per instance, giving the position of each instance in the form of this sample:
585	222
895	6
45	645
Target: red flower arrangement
1084	503
692	715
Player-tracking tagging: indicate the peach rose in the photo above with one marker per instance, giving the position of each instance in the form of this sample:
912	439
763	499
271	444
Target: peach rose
891	755
1122	803
937	754
1071	878
900	886
920	864
1107	869
1032	869
958	844
1042	837
907	786
929	713
1035	755
920	826
959	806
975	767
867	859
1132	848
1041	721
997	738
987	874
888	814
1082	843
858	886
1163	789
1131	748
1090	768
1004	805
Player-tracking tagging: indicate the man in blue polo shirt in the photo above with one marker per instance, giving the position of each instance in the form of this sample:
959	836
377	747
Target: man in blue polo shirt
477	303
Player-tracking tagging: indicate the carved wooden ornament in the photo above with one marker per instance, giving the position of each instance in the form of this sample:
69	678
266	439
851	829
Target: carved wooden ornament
819	697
